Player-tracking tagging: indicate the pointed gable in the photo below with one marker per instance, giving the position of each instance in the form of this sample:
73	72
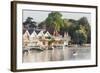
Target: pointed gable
40	34
34	34
26	34
47	34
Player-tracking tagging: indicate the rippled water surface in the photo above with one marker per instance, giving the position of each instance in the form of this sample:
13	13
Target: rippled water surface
57	54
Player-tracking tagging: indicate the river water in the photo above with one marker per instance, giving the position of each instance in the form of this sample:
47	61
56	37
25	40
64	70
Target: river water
57	54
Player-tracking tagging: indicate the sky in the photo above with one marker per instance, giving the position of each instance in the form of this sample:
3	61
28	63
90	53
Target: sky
39	16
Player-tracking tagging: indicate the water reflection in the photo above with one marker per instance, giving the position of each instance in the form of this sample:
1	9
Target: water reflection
57	54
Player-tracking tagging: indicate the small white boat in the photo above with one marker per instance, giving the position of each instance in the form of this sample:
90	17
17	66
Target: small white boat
75	53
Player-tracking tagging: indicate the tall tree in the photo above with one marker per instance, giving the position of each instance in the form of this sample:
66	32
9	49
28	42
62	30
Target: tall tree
80	35
84	22
54	21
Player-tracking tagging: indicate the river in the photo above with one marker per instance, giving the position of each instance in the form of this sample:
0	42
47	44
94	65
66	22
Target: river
57	54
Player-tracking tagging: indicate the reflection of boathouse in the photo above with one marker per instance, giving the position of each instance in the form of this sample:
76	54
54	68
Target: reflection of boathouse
43	39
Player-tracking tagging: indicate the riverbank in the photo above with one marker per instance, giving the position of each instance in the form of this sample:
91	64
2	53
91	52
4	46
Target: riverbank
76	45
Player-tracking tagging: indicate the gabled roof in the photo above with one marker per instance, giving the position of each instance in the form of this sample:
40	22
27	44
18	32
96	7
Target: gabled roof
40	33
26	33
34	34
47	34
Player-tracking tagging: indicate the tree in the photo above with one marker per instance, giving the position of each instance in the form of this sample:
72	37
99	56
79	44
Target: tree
84	22
54	21
71	26
80	35
42	25
66	26
29	23
79	30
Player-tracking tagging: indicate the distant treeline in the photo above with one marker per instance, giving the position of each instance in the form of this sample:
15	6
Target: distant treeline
79	30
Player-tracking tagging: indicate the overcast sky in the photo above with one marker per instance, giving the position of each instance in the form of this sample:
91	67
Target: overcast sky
39	16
